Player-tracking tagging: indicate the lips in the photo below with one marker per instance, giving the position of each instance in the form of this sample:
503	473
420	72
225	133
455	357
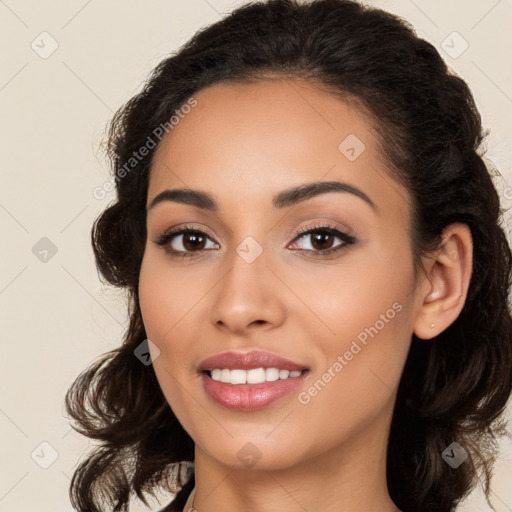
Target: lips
248	361
249	397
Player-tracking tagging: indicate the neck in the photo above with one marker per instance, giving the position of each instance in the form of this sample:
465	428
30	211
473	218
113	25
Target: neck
350	478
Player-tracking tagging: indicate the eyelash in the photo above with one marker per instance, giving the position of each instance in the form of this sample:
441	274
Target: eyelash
347	239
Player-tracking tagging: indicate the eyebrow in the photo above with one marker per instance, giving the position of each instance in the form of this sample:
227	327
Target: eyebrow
283	199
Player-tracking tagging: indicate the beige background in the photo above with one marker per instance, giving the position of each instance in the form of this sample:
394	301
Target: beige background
56	315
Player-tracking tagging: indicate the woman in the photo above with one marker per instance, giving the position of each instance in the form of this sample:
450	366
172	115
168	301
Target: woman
311	246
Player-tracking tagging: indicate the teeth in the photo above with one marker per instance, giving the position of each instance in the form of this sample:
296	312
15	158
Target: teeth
271	374
253	376
256	376
238	377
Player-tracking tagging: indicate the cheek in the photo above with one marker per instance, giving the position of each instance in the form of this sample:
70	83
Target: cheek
166	295
340	301
171	301
364	335
164	299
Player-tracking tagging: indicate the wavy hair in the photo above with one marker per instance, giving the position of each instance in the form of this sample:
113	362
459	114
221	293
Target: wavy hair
454	388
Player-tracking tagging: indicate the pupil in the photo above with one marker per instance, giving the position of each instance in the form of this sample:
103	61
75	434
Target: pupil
195	239
322	239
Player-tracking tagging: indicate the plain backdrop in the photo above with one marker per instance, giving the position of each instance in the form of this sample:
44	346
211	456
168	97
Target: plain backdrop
66	67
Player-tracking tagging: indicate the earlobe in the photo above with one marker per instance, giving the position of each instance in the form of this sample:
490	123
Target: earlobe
444	291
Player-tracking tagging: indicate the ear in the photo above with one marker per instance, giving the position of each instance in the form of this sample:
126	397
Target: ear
443	293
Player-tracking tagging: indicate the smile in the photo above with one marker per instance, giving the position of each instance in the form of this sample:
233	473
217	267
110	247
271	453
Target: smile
250	381
254	376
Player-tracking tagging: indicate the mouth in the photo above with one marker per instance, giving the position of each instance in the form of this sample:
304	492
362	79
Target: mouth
250	381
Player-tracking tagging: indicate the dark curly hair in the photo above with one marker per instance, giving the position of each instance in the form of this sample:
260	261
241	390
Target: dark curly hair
454	388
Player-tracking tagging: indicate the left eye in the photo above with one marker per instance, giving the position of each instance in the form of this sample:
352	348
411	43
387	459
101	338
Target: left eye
186	241
322	239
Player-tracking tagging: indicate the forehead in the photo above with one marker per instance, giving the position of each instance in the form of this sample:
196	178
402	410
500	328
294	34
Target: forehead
251	140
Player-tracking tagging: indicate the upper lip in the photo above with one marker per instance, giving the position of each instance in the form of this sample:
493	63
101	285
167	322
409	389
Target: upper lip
248	361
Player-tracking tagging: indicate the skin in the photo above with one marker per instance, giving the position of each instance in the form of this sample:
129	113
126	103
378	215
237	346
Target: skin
243	143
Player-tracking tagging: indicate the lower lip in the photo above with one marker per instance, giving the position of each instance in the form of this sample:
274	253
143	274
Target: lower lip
249	397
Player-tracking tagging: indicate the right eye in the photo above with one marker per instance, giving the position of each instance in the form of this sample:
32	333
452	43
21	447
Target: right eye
185	242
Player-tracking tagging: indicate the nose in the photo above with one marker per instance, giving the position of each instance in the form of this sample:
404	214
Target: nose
248	297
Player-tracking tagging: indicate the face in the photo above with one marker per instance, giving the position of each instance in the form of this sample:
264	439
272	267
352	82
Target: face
322	279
